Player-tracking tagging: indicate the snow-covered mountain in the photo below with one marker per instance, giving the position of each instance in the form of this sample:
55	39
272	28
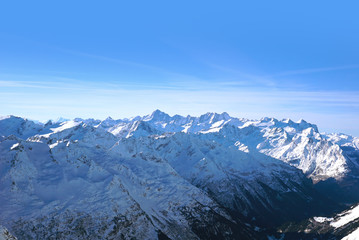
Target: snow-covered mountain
299	144
161	176
73	177
343	225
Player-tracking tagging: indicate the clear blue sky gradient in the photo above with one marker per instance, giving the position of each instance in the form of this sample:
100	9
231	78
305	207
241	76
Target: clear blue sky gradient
248	58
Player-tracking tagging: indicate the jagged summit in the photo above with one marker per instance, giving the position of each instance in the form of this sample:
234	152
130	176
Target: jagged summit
297	143
60	120
157	115
168	173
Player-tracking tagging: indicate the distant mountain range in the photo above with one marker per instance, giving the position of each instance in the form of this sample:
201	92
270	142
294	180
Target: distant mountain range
175	177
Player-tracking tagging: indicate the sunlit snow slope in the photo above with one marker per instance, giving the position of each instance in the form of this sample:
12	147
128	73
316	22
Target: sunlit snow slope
158	176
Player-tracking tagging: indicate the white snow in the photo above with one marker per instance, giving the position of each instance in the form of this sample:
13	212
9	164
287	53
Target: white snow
53	145
5	117
148	163
217	124
296	143
211	130
186	127
346	217
322	219
241	147
14	146
65	125
352	236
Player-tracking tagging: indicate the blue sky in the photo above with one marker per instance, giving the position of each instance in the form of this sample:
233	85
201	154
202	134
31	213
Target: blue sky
252	59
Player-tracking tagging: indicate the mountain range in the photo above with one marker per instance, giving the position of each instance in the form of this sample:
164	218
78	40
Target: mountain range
175	177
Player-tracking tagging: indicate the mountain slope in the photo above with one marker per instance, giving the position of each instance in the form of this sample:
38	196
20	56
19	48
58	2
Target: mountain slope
344	225
159	176
257	187
72	177
297	143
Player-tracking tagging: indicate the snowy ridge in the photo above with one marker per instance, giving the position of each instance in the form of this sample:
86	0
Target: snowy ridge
224	172
346	217
82	176
343	226
297	143
352	236
342	218
164	175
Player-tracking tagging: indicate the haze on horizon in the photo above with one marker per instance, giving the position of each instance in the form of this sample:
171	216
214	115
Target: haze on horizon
251	59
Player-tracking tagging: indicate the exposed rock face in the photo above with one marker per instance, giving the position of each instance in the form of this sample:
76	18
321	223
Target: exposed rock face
5	234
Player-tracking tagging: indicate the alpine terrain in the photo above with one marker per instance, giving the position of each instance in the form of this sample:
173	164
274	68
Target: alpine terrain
175	177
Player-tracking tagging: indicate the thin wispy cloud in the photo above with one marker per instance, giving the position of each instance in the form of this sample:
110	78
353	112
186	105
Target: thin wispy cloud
239	93
56	85
315	70
139	65
124	66
76	98
116	60
215	92
276	79
244	77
